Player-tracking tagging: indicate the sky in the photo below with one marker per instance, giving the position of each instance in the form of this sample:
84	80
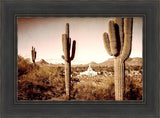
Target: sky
45	34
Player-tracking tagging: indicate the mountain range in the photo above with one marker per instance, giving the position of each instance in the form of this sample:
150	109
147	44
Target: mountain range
137	61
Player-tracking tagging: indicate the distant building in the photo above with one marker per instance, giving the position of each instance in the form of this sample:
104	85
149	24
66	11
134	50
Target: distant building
89	72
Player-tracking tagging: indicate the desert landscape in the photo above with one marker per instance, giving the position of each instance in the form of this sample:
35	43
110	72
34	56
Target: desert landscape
93	81
76	59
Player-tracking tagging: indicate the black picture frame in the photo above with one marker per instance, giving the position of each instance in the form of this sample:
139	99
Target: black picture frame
148	107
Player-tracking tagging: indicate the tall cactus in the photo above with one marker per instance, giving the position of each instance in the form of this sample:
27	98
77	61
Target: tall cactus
66	44
33	54
118	44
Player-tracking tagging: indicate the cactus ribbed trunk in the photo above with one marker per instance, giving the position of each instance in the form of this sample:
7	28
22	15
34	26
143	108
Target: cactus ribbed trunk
119	78
67	78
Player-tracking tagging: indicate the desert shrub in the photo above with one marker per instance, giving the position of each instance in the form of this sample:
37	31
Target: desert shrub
93	88
47	82
42	73
42	83
133	88
41	88
24	66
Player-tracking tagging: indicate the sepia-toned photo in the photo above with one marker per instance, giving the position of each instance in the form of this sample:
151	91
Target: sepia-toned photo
80	58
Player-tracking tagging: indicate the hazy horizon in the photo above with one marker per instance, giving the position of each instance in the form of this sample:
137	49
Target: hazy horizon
45	34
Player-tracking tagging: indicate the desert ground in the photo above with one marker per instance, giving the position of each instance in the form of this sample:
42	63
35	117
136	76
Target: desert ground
45	81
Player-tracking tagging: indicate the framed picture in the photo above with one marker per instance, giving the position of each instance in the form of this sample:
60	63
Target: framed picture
93	76
89	60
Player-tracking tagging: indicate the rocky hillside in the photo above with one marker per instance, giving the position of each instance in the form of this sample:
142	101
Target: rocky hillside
42	62
130	61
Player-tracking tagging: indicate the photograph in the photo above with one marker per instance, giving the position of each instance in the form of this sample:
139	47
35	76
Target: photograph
79	58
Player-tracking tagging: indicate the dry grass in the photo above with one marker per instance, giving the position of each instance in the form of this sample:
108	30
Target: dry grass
47	83
94	88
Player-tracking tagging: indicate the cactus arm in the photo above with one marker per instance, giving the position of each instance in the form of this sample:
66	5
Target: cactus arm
63	36
128	23
112	38
32	54
69	43
120	23
35	54
107	43
63	57
73	50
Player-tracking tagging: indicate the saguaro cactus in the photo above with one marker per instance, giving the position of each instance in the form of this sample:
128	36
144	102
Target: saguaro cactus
33	54
66	44
118	44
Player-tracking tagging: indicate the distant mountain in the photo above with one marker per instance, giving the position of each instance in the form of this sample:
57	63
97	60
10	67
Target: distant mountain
92	63
109	62
137	61
42	62
130	61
